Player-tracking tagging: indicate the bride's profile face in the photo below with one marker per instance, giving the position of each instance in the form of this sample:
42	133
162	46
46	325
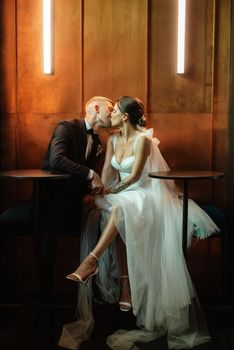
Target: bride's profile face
116	116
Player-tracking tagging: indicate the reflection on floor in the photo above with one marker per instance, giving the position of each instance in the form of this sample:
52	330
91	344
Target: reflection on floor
30	327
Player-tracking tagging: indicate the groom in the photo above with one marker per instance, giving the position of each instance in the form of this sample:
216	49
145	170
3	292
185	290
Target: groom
74	149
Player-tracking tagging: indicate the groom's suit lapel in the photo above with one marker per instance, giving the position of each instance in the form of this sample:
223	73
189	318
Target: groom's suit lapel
80	140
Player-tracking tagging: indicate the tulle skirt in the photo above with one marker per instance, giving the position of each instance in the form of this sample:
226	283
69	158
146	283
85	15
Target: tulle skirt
150	224
163	297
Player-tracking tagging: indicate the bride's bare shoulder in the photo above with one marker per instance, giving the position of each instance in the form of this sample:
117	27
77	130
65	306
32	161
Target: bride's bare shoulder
142	135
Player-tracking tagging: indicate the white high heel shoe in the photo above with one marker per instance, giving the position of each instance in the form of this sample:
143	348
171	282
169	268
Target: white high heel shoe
124	306
77	278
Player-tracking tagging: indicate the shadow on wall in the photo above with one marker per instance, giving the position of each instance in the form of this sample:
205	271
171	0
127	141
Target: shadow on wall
1	82
7	98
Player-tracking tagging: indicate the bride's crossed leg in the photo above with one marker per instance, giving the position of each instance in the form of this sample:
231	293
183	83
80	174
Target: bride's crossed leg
88	267
125	294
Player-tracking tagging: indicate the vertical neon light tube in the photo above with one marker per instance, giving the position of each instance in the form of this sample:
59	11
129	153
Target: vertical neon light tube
181	36
47	37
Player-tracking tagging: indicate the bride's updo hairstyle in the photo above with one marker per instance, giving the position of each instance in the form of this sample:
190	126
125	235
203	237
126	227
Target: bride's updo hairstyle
134	108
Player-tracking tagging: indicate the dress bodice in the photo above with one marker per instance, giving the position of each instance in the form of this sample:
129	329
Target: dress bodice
125	168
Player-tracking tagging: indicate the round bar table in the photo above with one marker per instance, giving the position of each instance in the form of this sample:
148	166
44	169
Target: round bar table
186	175
36	175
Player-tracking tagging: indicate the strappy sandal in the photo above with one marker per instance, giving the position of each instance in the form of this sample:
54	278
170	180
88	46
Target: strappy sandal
77	278
124	306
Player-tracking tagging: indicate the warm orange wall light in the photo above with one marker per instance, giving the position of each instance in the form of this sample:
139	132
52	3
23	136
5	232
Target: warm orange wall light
181	36
47	36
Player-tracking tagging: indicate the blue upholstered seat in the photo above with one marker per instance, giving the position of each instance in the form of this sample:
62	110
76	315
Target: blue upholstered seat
216	215
17	220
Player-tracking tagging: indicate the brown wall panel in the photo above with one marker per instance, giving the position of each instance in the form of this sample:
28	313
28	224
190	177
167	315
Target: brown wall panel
168	91
186	145
8	139
34	133
221	96
8	116
60	92
115	48
8	56
8	156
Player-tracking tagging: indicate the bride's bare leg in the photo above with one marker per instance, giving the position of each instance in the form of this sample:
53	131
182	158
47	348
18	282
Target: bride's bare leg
125	294
122	256
109	233
89	264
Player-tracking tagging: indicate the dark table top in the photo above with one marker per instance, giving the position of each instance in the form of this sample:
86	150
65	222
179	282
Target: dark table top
32	174
186	174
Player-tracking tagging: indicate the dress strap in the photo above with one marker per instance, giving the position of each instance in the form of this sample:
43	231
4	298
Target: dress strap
114	141
135	142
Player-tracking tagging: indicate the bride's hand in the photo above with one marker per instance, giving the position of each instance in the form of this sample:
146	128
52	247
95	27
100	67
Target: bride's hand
104	192
96	184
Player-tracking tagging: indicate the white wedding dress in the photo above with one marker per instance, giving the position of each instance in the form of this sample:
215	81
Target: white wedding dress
148	215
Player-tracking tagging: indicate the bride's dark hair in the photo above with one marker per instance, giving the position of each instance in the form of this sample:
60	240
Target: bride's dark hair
134	107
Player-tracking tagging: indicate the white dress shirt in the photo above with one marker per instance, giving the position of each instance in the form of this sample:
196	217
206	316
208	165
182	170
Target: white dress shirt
88	148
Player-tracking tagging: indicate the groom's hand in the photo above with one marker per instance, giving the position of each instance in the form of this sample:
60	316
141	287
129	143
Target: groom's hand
105	192
96	184
89	202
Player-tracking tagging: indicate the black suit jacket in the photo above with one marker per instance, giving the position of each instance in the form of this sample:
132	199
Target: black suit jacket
67	147
60	203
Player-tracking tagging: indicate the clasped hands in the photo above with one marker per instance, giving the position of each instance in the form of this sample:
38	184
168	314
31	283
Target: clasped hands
97	189
97	186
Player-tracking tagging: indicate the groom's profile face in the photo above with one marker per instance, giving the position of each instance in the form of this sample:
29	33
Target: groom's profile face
103	117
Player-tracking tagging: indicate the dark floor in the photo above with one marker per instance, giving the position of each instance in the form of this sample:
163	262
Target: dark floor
27	326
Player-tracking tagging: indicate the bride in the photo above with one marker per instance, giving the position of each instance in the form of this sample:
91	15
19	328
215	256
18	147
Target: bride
138	258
